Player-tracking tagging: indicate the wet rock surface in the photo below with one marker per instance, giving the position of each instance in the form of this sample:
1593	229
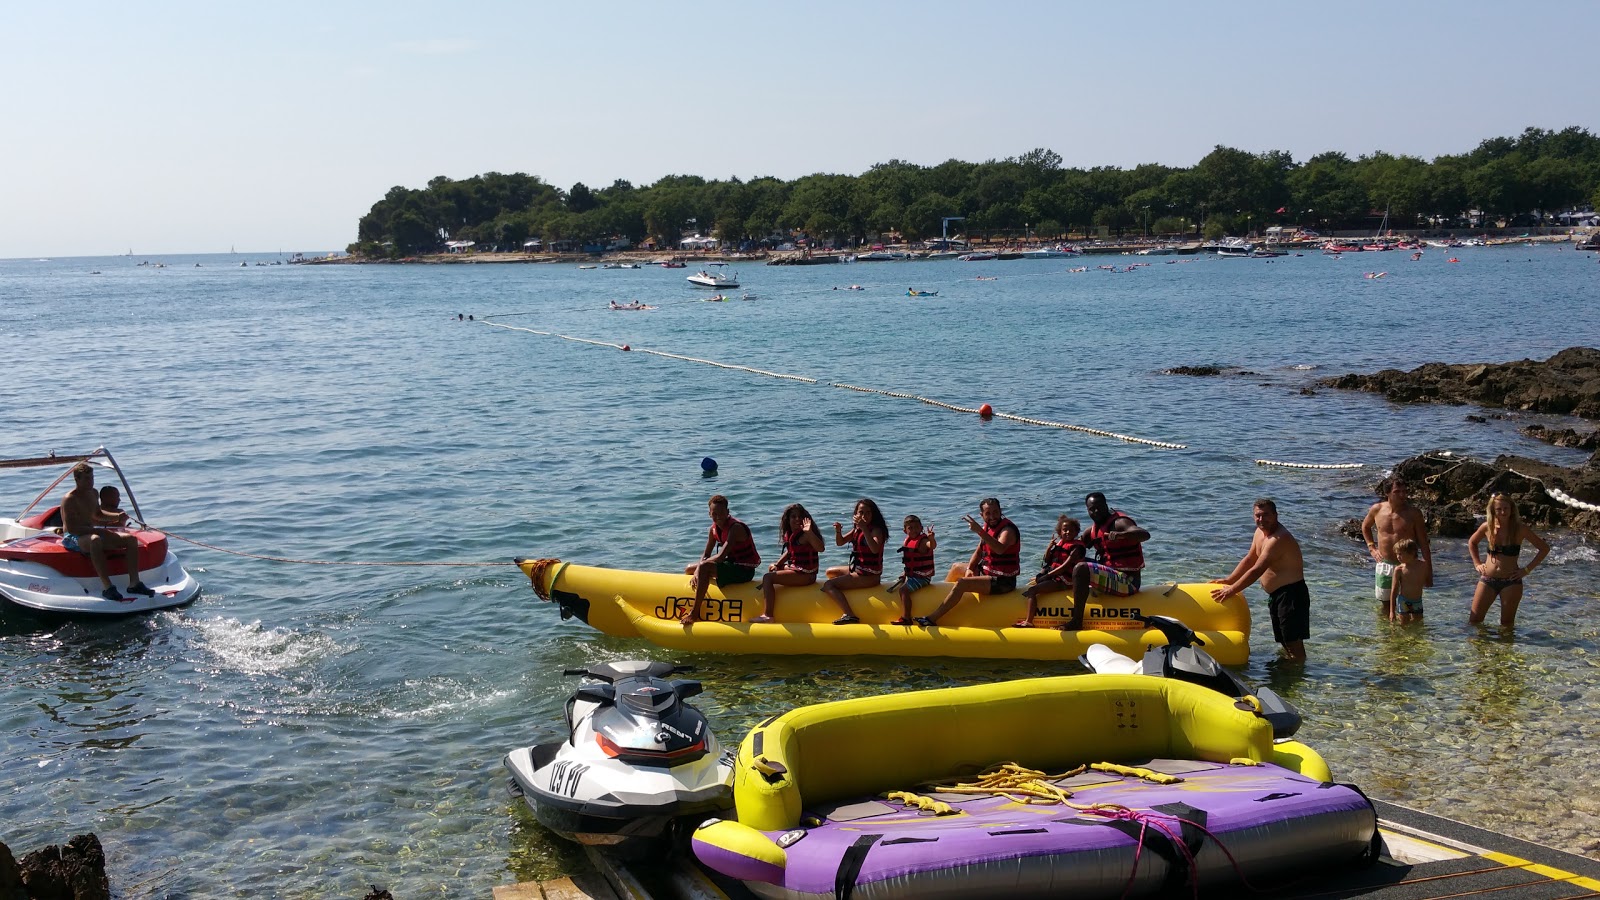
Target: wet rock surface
75	870
1564	437
1565	384
1453	492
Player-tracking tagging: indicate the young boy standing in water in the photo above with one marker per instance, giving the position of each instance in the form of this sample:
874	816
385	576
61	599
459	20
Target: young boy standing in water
1410	579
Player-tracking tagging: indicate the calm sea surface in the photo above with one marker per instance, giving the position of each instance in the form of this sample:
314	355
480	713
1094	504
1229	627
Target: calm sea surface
304	731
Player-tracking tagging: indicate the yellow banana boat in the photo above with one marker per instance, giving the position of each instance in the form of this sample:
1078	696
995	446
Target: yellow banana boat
647	605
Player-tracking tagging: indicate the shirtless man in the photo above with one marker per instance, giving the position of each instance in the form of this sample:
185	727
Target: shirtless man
1275	559
80	516
1387	522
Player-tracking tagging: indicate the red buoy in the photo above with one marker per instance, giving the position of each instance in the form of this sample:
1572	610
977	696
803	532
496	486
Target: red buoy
986	411
626	348
1454	259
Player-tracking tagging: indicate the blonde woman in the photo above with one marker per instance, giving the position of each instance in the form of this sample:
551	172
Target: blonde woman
1499	575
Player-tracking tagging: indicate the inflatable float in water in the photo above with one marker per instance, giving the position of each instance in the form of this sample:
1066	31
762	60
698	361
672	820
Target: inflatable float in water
647	605
1116	786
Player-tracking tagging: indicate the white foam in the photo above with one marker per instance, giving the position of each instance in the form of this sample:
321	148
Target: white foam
254	650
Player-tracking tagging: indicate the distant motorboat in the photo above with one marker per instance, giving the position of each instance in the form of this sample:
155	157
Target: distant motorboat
977	256
717	280
1050	253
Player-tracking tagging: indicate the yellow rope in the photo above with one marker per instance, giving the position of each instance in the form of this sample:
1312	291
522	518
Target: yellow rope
1020	784
926	804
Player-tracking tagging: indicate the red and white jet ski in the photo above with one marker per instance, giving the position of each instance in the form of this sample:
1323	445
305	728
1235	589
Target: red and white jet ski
37	572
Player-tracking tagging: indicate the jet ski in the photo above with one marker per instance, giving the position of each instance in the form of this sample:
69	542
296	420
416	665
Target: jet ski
1182	658
637	759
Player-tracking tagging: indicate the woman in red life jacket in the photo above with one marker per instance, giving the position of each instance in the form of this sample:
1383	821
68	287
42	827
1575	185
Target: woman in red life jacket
730	556
867	536
994	566
917	554
1118	542
797	566
1055	573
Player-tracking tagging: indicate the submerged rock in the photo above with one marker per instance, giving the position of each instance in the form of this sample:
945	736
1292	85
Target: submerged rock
1194	371
1565	384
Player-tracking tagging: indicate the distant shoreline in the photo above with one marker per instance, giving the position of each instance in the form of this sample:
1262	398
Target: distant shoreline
656	257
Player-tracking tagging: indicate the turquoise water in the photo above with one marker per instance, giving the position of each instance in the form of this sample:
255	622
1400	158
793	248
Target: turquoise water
304	731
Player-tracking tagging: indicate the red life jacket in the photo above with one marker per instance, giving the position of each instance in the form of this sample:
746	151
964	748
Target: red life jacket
802	555
743	553
863	561
1125	556
1059	551
1007	561
918	556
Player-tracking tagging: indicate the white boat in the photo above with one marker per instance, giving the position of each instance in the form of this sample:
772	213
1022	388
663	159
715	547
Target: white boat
1050	253
717	280
977	256
38	572
1234	247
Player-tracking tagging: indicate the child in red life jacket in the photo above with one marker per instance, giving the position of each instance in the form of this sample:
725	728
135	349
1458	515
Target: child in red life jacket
1066	550
797	567
917	553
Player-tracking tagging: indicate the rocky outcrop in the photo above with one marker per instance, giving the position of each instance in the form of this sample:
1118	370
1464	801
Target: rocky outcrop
1565	384
1564	437
1453	492
73	871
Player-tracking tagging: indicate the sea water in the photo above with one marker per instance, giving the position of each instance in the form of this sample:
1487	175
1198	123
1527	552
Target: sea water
307	730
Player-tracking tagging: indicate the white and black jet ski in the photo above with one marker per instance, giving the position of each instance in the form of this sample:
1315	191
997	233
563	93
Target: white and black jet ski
1182	658
637	758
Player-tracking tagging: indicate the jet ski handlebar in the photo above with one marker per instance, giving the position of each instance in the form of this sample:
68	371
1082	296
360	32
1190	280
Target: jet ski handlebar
1176	633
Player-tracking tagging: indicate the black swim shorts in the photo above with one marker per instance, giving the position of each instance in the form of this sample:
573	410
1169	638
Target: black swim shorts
729	574
1290	607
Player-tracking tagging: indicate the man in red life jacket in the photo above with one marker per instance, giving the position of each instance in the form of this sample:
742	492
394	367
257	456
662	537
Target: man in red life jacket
730	556
1118	544
994	566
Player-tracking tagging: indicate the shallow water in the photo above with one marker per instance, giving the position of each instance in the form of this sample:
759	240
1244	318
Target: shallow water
305	730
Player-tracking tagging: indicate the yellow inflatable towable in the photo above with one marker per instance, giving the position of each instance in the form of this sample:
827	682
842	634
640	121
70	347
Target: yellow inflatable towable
647	605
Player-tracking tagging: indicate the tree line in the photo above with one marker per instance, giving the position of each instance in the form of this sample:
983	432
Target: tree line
1521	180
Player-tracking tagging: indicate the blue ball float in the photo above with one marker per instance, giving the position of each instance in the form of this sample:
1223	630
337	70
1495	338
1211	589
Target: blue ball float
708	465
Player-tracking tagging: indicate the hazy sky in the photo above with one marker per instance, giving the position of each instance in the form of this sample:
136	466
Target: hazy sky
196	127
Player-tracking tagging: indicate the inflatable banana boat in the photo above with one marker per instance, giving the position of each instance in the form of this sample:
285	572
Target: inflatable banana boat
647	605
1112	786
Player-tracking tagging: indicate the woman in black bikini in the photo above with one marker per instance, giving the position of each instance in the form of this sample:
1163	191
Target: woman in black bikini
1498	573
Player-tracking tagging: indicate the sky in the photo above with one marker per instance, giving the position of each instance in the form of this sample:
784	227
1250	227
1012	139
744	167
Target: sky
169	127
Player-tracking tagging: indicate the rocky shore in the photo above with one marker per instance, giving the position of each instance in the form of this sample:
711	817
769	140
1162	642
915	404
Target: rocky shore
1565	384
1453	491
75	870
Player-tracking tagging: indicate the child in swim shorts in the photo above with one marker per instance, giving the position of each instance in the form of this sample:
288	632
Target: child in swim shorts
1409	579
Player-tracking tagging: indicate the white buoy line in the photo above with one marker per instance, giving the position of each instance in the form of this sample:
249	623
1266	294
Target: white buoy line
1026	420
